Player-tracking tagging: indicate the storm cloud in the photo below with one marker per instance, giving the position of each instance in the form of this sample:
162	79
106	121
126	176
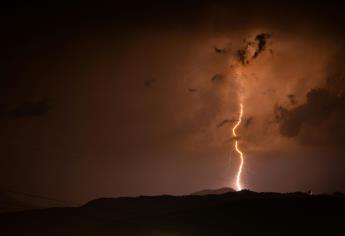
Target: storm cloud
261	40
319	121
115	129
253	48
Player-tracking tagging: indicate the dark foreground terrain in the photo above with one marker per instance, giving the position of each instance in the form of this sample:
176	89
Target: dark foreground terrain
233	213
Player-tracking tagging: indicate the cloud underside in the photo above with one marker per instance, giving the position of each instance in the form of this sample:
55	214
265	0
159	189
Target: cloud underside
317	122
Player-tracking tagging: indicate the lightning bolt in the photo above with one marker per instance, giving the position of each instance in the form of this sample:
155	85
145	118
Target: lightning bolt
238	176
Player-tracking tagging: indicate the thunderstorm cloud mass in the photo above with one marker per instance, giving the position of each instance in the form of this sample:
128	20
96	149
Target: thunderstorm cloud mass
113	102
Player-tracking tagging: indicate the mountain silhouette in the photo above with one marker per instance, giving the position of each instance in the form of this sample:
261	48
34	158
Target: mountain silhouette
232	213
214	191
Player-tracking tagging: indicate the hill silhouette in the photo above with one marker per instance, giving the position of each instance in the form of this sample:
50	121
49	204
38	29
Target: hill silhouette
232	213
213	191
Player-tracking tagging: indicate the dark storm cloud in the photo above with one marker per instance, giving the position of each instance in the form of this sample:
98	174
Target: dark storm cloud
336	83
217	78
292	99
242	56
319	121
224	122
261	40
248	121
221	50
252	49
32	109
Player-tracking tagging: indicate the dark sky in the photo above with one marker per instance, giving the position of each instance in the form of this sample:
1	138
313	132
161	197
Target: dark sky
133	98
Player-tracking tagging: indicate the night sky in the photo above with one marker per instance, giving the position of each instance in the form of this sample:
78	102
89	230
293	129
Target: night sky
140	98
